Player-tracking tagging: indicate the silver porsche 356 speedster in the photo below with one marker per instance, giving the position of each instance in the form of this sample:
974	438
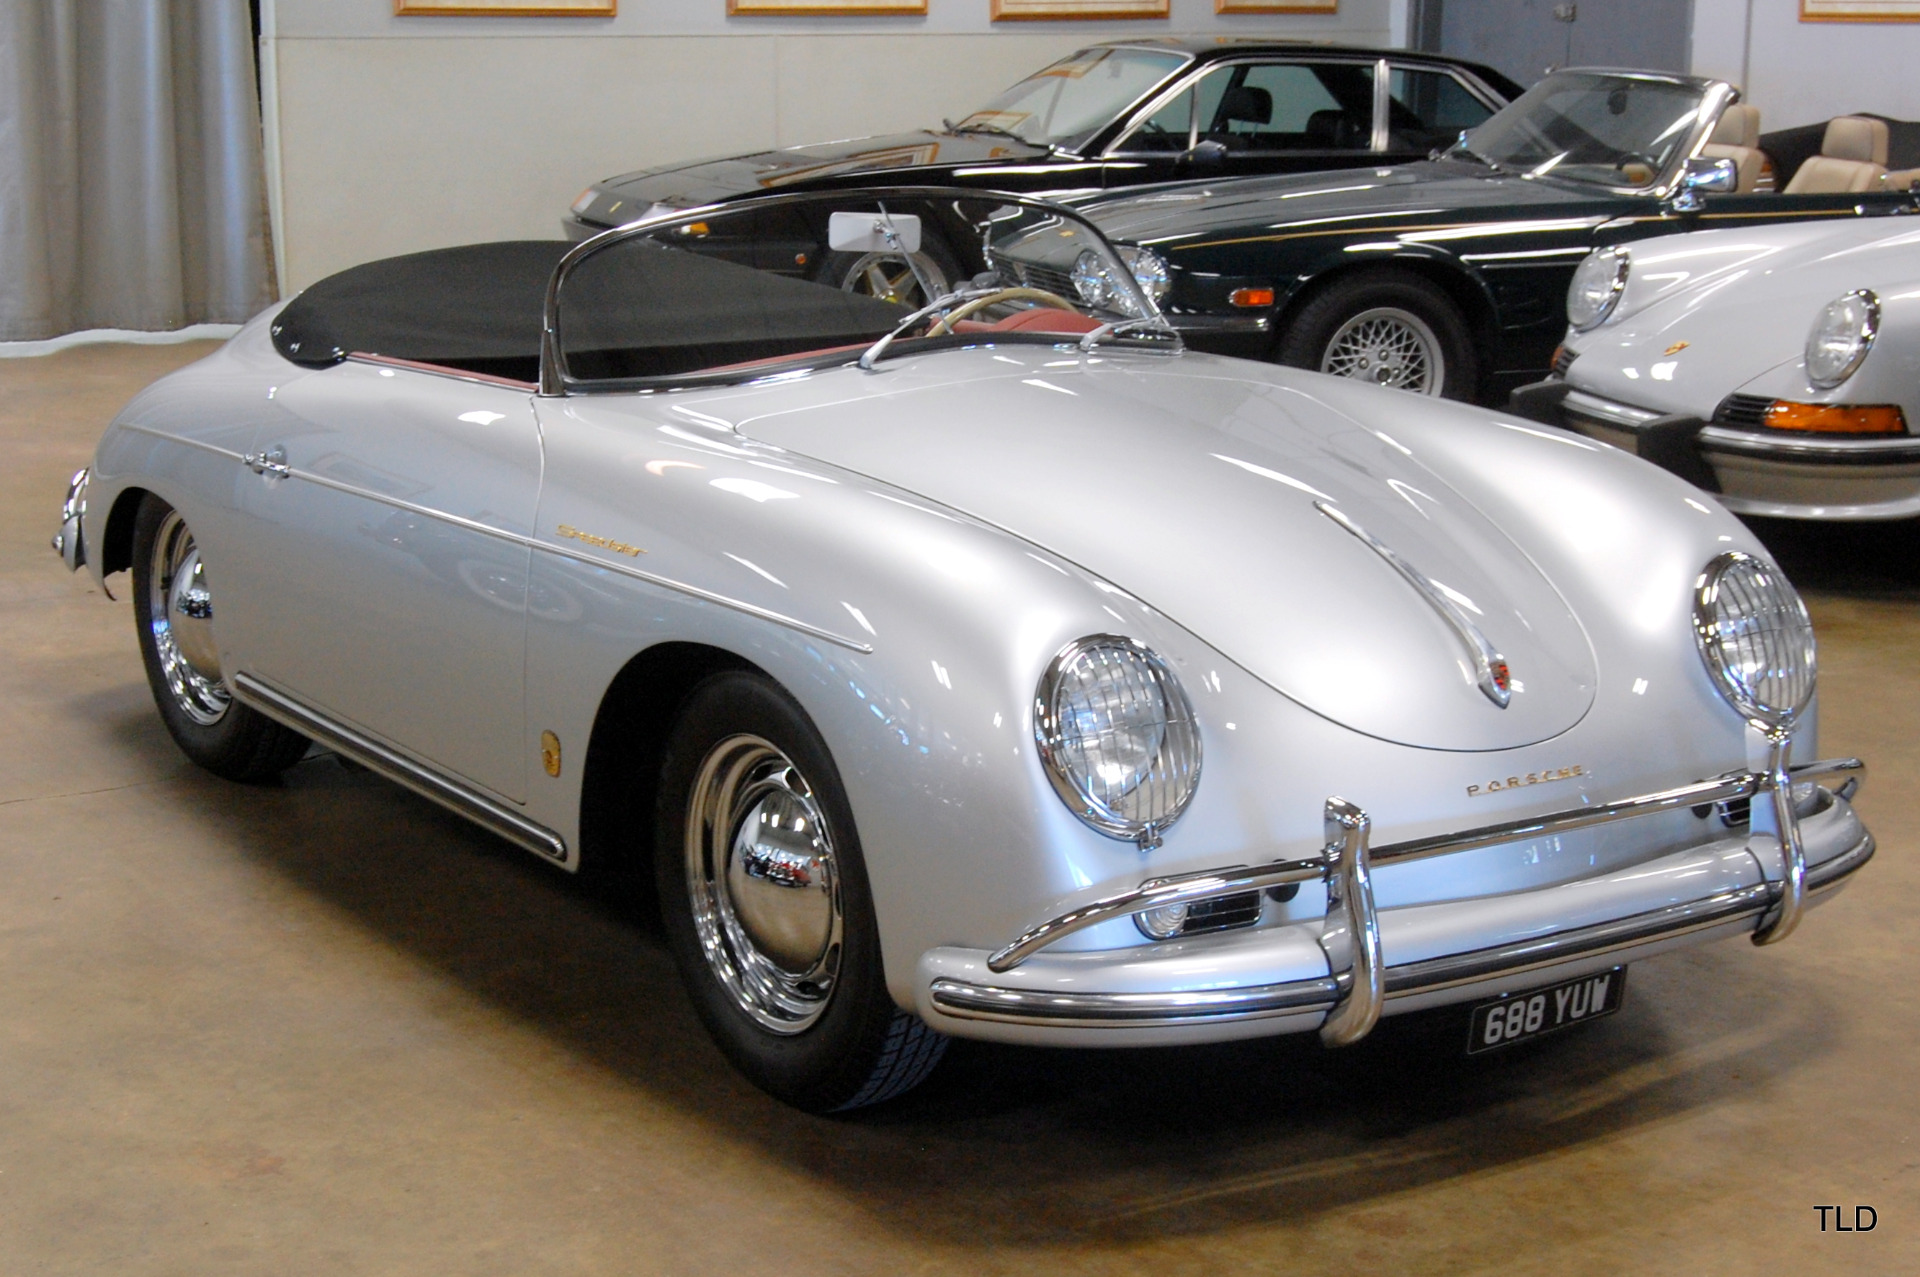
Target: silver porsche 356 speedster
993	669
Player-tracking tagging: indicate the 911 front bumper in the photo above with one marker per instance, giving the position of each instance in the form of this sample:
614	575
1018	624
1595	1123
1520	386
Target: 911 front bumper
1341	973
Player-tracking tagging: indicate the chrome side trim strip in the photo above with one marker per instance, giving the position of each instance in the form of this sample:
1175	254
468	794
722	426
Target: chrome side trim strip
1119	1010
201	444
426	781
1106	1010
1489	667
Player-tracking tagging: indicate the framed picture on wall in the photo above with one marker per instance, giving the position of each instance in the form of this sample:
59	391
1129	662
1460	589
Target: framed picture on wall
505	8
823	8
1860	10
1268	6
1057	10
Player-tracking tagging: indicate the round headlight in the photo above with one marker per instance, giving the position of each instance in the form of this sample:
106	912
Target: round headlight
1091	279
1841	337
1150	271
1755	637
1118	737
1597	284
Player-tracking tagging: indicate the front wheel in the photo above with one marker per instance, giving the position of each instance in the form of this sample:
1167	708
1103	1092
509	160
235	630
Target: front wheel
1391	328
173	606
888	277
766	908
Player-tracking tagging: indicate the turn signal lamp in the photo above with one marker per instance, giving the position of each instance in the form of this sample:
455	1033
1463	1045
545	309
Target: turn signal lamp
1251	297
1835	419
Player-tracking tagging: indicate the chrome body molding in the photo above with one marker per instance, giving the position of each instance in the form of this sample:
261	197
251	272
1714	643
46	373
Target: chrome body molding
455	795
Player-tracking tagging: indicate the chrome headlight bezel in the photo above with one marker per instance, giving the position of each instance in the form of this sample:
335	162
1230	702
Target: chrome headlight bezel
1756	639
1160	788
1597	285
1150	271
1841	337
1091	279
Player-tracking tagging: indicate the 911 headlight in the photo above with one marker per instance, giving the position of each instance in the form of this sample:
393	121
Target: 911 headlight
1597	284
1118	737
1150	271
1840	338
1755	637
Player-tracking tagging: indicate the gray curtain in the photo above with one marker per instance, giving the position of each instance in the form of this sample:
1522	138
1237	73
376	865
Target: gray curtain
130	167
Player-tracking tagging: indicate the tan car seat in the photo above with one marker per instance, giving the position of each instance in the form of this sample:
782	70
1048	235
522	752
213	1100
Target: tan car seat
1902	179
1737	137
1853	157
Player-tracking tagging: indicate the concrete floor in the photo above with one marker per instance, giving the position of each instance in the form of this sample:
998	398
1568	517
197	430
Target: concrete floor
323	1027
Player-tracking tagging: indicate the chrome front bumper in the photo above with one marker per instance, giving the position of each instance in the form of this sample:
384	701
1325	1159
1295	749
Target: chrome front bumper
1213	996
69	542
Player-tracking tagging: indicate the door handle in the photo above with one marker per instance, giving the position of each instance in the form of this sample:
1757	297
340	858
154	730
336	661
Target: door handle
272	463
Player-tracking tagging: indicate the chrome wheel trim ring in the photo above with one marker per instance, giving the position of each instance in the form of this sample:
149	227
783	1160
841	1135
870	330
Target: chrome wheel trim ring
1388	346
736	921
179	605
887	276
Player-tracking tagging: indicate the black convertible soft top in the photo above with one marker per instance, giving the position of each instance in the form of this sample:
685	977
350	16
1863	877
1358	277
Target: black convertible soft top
636	309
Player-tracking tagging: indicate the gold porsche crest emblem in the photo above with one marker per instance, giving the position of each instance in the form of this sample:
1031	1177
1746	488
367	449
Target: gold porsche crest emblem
1677	347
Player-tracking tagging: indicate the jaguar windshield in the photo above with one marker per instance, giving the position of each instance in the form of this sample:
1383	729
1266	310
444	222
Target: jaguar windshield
1584	126
1070	101
779	285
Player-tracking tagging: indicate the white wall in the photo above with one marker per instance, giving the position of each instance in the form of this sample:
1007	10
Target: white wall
388	135
1804	72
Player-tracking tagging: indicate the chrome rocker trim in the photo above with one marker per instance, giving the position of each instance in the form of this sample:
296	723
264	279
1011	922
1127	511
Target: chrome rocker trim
1351	936
454	795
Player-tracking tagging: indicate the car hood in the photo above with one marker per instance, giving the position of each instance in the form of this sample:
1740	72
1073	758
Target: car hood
1195	488
705	181
1706	313
1446	191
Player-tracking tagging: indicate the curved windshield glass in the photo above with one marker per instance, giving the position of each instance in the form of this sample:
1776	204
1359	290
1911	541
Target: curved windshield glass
1076	97
1586	126
767	287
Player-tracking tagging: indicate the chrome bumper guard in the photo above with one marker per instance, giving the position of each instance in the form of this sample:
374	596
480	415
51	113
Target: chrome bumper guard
1361	984
68	542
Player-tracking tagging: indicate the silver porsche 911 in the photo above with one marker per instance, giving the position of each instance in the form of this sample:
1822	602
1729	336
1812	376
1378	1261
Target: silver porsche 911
992	668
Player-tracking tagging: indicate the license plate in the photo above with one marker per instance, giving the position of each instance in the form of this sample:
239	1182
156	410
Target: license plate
1520	1017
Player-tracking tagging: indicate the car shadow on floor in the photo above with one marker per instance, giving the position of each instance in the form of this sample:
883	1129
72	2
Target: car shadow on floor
1015	1146
1866	560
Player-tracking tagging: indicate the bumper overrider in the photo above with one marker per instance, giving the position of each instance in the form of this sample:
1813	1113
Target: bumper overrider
1360	961
1754	471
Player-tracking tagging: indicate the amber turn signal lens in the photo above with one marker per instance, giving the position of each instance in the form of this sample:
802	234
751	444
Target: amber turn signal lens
1836	419
1250	297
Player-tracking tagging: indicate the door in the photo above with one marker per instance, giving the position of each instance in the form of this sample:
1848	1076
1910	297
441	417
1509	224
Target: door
1527	38
398	544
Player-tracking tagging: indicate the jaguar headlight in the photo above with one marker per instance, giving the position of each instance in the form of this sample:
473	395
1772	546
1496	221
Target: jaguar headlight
1092	280
1150	271
1755	638
1597	284
1118	737
1840	338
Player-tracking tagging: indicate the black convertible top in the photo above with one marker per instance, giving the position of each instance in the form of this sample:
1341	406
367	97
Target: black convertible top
636	309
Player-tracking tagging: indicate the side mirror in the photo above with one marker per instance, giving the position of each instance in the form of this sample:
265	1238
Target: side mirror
873	233
1703	176
1208	153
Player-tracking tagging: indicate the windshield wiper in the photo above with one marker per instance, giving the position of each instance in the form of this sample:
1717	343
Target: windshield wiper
994	129
1461	148
872	353
1104	331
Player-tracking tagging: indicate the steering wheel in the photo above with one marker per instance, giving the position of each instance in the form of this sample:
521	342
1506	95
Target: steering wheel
944	325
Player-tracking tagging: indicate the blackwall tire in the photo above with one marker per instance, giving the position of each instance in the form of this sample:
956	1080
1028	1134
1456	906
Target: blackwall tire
174	606
1389	327
765	904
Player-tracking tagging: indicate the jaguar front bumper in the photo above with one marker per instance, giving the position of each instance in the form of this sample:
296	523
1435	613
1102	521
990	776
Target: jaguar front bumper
1339	974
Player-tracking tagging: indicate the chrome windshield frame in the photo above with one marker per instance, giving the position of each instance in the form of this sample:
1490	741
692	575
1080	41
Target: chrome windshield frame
554	383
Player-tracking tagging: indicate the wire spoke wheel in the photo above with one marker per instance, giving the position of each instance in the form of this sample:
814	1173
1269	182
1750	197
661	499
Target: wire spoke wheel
764	884
1390	347
180	608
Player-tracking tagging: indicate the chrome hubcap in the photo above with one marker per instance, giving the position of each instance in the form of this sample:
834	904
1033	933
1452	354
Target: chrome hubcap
181	605
764	884
888	277
1389	347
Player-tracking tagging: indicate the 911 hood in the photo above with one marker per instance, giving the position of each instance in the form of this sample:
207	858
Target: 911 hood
1202	496
763	172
